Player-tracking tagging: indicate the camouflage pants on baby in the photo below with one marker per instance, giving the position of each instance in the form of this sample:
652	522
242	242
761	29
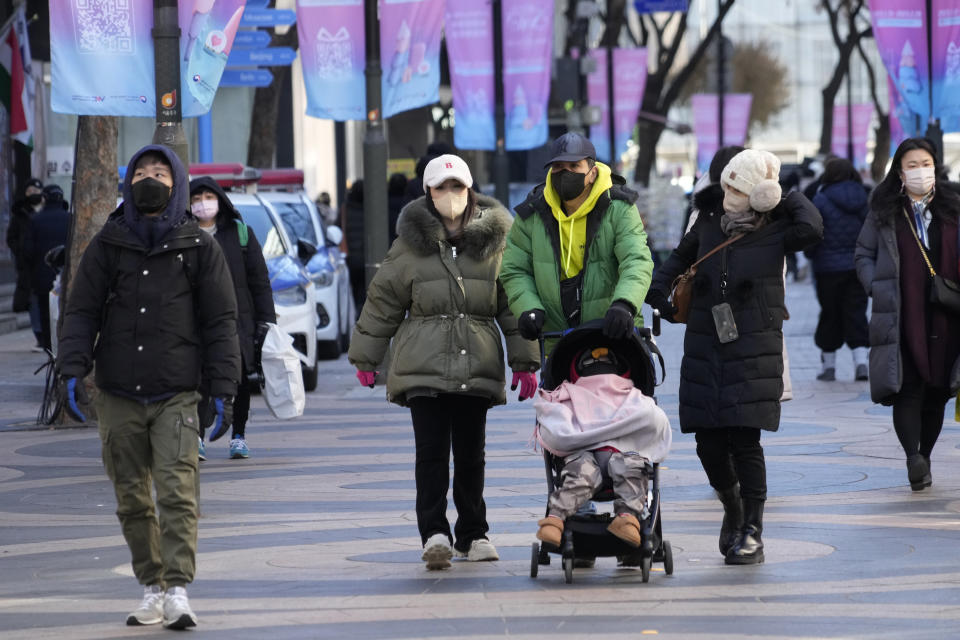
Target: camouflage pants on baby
583	474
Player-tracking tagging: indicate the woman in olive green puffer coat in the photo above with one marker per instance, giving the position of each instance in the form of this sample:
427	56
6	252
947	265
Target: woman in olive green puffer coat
438	298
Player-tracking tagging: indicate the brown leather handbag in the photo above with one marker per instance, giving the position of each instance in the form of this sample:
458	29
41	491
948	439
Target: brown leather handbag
682	294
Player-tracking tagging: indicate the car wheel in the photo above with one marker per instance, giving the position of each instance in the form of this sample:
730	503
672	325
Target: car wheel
329	349
310	375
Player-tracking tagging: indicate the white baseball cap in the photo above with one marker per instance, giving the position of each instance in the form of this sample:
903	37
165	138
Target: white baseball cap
444	167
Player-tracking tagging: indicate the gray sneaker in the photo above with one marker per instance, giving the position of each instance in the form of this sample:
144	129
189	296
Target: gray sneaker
176	609
437	552
150	610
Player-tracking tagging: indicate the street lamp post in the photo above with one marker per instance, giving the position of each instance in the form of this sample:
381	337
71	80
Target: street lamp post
375	231
720	80
849	112
166	64
501	164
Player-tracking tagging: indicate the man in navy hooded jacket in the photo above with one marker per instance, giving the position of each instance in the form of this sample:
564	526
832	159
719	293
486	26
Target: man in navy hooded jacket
152	304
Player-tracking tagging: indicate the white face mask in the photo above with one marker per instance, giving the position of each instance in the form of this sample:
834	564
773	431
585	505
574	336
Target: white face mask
919	181
451	205
205	209
735	203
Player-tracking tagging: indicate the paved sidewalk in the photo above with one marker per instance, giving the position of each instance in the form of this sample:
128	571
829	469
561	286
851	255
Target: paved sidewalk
315	536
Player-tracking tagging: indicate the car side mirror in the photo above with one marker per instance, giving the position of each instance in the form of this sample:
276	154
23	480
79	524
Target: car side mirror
334	235
305	250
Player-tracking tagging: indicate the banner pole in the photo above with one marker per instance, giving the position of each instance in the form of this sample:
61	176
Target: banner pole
611	132
501	163
720	88
849	111
933	133
166	69
375	231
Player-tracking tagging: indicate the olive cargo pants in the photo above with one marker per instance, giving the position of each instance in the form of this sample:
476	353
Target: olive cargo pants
157	444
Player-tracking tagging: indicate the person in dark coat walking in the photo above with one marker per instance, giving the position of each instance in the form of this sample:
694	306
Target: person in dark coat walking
353	226
20	213
842	202
396	187
152	304
914	344
48	229
251	284
731	382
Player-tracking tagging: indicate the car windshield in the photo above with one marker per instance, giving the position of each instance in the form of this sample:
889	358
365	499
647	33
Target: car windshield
267	233
297	221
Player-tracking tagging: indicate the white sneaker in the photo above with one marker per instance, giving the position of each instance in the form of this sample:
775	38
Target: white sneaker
176	609
481	550
437	552
150	610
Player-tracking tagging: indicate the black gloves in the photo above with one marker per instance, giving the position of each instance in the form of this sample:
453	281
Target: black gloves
530	323
73	394
658	301
223	412
259	334
618	323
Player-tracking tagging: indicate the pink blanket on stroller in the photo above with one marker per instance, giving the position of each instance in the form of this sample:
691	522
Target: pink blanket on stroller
601	411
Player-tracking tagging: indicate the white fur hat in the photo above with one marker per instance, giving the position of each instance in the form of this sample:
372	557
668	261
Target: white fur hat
754	173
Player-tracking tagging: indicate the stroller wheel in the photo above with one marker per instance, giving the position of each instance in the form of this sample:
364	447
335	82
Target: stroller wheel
645	568
534	560
667	558
568	570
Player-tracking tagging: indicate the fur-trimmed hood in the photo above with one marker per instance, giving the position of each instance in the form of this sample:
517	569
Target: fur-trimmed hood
710	198
484	236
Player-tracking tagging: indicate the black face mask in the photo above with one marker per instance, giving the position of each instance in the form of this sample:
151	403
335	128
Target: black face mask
567	184
150	195
34	199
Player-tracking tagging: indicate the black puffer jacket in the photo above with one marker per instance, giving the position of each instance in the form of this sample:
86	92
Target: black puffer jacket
251	281
152	315
737	384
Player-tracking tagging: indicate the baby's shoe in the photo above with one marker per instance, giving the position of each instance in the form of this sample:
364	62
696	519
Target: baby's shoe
551	530
626	527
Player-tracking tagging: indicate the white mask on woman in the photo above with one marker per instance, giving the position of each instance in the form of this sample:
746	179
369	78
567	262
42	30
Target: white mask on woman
919	181
735	203
205	209
450	204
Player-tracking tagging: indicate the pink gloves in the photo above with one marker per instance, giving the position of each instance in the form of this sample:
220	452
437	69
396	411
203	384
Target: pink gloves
366	378
528	384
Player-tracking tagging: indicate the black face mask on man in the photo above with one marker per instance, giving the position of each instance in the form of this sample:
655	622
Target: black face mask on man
34	199
150	195
568	184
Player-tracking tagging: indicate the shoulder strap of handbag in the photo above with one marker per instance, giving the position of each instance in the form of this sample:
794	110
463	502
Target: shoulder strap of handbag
720	246
923	251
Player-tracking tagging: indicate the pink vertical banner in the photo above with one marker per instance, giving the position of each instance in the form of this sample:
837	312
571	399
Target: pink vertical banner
332	40
597	97
527	62
410	53
630	71
900	31
945	20
469	39
736	122
861	114
898	111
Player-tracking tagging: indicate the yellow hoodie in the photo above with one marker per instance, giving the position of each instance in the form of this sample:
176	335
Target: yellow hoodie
573	228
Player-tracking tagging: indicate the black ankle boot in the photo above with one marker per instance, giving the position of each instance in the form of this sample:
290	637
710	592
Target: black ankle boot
732	517
918	472
748	547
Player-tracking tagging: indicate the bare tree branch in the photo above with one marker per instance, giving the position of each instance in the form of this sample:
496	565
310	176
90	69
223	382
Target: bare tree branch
681	78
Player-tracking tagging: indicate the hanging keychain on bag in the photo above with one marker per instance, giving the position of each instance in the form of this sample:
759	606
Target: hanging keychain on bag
723	313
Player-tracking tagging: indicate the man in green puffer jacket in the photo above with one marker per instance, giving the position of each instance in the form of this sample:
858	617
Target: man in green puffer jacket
577	250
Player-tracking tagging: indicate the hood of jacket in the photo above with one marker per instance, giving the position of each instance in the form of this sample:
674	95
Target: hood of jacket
536	201
151	229
226	212
849	196
484	236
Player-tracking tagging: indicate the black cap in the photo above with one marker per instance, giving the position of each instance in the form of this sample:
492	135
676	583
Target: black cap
571	147
33	182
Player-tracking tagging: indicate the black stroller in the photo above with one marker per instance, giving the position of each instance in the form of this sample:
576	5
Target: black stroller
586	535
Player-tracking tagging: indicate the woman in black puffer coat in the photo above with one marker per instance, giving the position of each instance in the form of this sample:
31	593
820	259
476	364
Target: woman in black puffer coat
730	390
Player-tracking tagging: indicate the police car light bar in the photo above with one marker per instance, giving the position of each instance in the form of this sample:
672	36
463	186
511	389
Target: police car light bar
229	175
281	179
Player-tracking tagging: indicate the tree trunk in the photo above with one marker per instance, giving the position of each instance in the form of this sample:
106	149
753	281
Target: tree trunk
94	198
262	147
649	133
881	152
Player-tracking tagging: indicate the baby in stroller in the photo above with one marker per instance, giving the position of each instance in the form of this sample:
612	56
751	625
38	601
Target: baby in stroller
601	425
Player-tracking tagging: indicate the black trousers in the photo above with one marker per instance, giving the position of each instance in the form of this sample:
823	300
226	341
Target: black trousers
733	454
46	331
918	411
843	311
439	423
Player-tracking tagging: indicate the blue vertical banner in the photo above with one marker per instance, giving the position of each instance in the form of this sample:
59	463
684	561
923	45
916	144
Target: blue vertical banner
527	61
332	41
946	63
102	56
410	53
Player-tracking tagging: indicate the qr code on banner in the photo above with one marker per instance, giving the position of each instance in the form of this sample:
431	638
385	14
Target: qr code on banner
104	26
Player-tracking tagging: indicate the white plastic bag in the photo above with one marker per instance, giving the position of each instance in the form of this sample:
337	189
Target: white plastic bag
283	380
